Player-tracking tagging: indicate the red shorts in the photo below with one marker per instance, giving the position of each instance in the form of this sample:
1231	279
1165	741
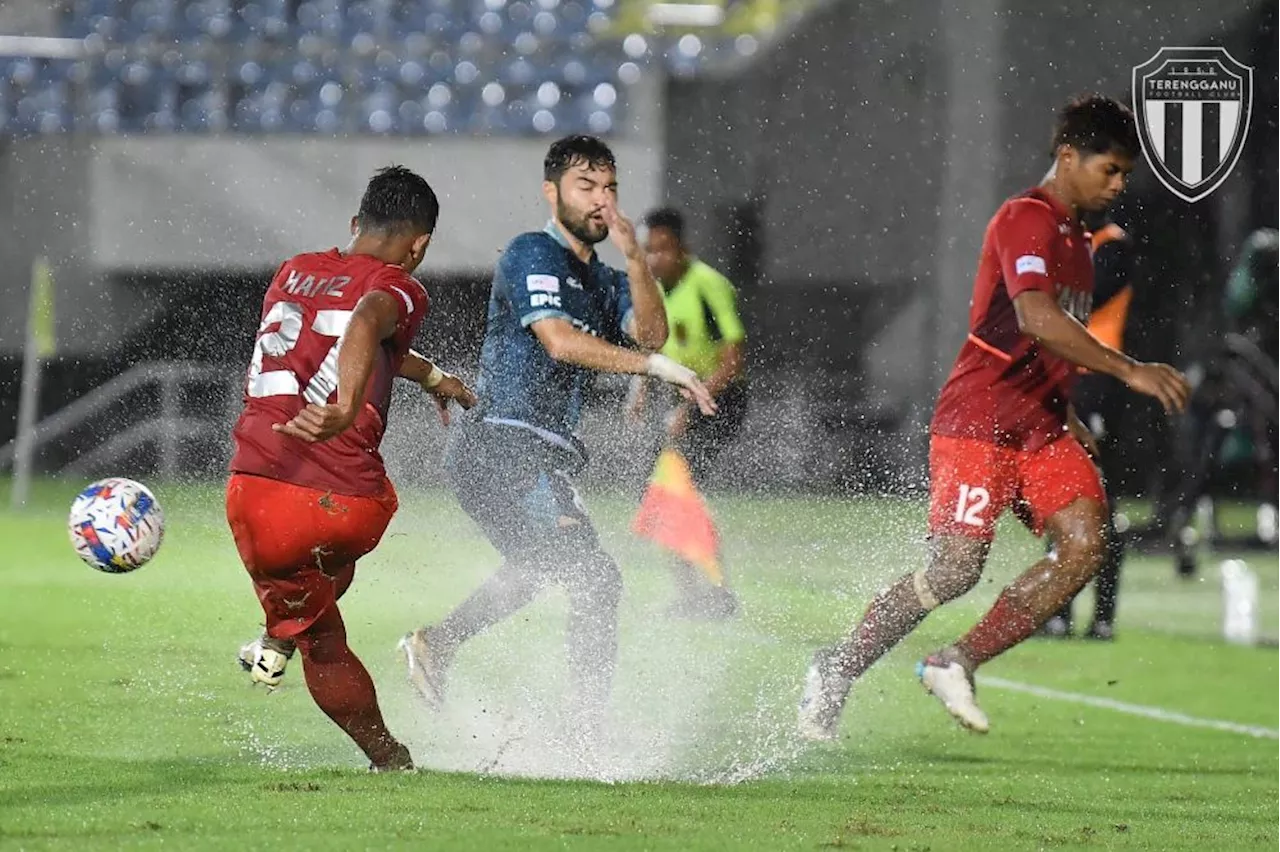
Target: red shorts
300	544
972	482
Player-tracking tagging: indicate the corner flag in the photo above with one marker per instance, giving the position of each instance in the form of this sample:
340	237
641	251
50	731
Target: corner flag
40	310
673	514
41	344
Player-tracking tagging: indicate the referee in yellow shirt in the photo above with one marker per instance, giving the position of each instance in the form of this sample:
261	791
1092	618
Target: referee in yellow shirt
706	335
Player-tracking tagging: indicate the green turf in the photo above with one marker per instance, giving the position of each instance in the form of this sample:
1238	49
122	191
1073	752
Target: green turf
124	723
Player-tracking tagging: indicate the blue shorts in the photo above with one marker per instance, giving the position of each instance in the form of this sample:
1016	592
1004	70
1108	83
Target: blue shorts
516	486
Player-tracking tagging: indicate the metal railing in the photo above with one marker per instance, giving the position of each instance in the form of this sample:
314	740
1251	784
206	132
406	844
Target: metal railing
164	424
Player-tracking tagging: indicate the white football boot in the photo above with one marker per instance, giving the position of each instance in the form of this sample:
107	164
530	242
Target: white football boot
428	664
825	691
264	665
951	684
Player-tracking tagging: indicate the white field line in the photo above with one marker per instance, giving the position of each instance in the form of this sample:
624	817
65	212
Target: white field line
1156	713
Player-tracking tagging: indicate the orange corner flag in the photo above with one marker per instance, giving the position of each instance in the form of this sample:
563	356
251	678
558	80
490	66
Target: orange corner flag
674	515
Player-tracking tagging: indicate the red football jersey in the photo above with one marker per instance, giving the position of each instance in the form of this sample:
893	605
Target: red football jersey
295	362
1004	388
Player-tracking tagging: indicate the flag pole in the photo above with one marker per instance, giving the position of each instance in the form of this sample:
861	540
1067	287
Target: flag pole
39	346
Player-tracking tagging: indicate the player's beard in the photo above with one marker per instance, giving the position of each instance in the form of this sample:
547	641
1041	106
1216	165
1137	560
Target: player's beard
580	226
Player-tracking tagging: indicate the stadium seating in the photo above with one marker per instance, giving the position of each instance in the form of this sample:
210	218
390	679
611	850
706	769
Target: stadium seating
404	67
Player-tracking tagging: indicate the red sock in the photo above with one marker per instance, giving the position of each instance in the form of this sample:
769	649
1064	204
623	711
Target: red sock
342	688
1005	625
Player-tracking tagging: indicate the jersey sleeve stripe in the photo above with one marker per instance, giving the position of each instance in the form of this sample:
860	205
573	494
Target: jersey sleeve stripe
547	313
408	303
989	349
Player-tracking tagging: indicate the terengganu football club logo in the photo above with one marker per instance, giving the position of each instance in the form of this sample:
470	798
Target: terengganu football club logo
1192	106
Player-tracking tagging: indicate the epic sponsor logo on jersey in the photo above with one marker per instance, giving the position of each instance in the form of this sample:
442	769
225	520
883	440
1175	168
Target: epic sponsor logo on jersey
544	300
542	284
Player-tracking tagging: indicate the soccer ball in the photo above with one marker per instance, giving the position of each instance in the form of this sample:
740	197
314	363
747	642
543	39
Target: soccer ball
116	525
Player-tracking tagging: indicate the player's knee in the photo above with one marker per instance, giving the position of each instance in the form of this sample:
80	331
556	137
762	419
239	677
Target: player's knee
597	578
1081	547
607	578
955	567
1079	535
941	583
1081	552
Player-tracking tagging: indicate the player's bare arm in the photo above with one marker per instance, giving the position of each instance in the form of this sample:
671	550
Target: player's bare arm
373	321
1040	317
729	370
638	397
420	369
648	323
442	386
565	343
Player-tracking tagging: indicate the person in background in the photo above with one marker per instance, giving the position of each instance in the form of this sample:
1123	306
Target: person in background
1112	295
1231	420
707	336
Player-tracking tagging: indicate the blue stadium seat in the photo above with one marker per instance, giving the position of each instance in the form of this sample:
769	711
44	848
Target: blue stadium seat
221	21
321	17
445	108
375	17
37	94
82	18
267	20
102	109
334	66
148	98
378	110
262	107
580	71
203	109
520	71
435	18
368	72
148	17
325	108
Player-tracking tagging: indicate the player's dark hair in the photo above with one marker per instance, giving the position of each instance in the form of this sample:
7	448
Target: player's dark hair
398	200
669	218
570	151
1096	124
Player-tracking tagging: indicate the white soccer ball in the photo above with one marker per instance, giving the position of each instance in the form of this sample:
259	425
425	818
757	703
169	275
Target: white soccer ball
116	525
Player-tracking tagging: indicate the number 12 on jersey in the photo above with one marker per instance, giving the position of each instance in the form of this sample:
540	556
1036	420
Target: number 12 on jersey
974	499
322	378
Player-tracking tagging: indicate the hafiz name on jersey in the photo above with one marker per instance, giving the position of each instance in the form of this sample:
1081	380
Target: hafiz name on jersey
297	285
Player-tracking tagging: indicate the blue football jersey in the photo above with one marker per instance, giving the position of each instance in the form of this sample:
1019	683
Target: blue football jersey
539	277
